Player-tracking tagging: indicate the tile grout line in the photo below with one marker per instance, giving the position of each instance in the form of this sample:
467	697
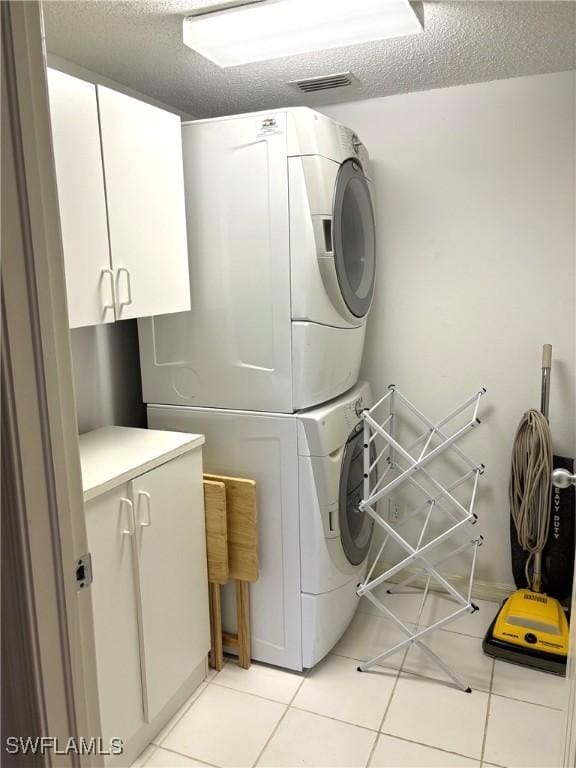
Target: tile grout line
429	746
411	621
275	729
372	750
378	732
444	682
527	701
407	672
190	757
397	674
363	661
211	681
388	705
193	699
344	656
484	737
256	695
387	708
290	705
335	719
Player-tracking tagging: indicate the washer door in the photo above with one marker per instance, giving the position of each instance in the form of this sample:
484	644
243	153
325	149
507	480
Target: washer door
355	526
354	238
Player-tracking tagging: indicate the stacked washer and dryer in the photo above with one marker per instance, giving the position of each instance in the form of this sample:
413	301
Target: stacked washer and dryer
281	241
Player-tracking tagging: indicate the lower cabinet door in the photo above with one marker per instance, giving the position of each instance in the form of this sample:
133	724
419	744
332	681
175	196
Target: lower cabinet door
110	526
170	538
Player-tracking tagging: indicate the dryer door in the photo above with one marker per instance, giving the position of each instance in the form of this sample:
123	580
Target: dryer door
354	238
355	526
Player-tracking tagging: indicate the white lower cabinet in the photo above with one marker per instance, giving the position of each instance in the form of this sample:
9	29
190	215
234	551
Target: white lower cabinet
110	523
147	542
173	582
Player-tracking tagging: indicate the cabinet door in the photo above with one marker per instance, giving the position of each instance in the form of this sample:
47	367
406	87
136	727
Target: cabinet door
171	543
142	154
110	528
80	179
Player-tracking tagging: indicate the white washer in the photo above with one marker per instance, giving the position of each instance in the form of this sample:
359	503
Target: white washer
313	541
281	243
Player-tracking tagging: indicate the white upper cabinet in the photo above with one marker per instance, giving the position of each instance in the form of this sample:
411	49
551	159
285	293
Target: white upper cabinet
89	279
121	195
142	154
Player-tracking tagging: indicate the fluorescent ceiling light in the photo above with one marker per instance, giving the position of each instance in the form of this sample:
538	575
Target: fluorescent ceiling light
275	28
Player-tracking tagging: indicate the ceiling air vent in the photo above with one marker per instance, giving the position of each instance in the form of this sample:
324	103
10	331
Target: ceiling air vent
324	83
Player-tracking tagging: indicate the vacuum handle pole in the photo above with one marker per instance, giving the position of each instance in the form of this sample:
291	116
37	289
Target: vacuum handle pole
545	408
537	573
546	366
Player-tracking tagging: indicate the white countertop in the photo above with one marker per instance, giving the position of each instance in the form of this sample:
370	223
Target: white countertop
110	456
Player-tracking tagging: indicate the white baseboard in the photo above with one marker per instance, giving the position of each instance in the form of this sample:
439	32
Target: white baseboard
481	590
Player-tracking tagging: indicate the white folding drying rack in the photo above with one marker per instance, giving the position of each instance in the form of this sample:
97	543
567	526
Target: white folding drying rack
440	509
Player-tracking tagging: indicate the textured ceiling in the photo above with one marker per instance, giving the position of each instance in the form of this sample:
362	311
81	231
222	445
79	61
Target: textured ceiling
139	44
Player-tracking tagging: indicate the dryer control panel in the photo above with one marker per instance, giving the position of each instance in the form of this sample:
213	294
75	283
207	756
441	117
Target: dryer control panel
353	147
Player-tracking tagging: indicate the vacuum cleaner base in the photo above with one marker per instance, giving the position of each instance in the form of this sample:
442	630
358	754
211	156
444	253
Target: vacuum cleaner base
547	662
517	634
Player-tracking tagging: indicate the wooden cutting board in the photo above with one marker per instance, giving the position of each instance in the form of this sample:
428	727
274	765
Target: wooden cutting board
242	524
216	531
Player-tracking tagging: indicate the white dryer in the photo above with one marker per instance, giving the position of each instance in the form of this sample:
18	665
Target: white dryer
313	540
281	242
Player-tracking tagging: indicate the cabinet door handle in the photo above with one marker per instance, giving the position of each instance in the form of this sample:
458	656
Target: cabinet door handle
128	287
110	274
131	524
148	498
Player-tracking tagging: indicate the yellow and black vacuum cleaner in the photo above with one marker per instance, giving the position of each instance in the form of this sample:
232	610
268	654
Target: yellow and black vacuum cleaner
531	627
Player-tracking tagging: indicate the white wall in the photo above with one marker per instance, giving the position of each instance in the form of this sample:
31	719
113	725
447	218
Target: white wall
475	206
107	382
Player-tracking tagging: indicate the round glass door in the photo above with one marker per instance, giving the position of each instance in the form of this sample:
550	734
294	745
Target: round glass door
354	238
355	526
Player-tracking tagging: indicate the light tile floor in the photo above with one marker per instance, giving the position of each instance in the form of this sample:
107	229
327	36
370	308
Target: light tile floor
405	714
